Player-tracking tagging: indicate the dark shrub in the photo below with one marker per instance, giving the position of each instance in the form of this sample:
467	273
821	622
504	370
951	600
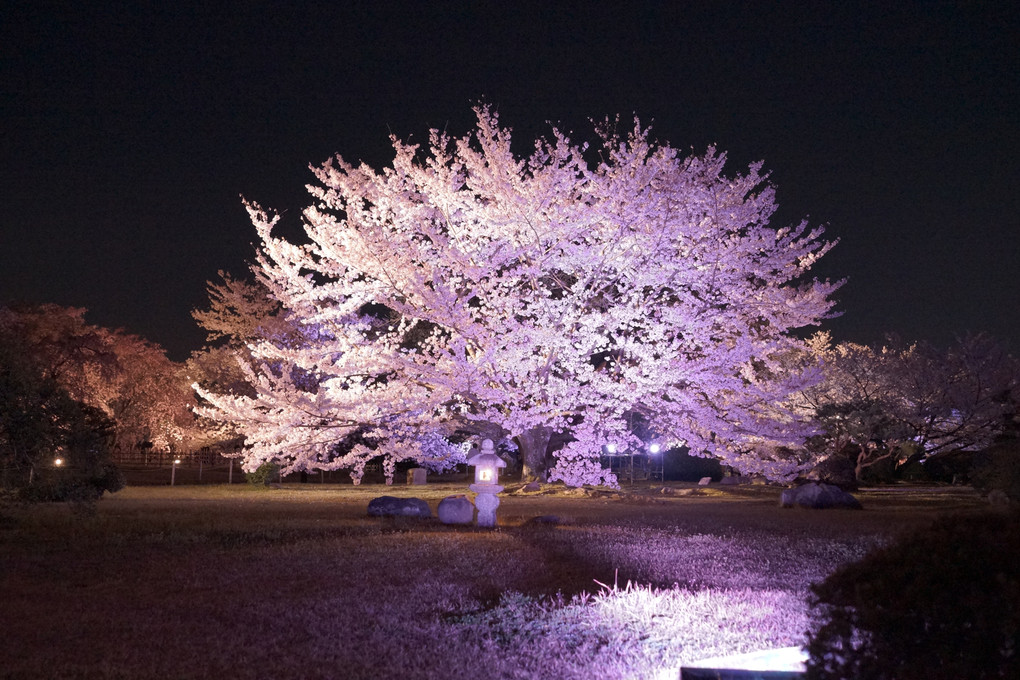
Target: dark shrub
262	476
838	470
881	472
942	603
679	465
75	486
948	467
999	469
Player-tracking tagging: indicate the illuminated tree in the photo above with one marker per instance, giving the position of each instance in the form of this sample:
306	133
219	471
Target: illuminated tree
153	401
52	447
126	378
467	288
859	404
911	402
241	312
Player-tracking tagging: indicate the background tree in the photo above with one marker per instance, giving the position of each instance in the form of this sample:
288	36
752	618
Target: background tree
468	288
41	423
860	405
153	400
124	377
961	398
912	402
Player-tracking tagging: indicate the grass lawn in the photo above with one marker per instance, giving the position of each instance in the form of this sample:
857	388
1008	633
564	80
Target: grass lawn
234	582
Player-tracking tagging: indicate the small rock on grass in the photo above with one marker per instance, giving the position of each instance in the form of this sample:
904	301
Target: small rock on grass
998	497
531	488
456	510
672	491
384	506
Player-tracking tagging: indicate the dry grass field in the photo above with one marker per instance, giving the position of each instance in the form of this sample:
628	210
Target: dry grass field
234	582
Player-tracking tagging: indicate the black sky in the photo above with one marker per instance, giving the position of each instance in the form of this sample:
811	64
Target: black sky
128	132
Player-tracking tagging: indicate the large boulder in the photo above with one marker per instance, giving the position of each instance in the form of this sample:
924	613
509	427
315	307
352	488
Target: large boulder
456	510
384	506
818	497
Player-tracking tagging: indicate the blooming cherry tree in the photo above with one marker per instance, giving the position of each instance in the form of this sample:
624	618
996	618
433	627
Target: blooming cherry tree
466	288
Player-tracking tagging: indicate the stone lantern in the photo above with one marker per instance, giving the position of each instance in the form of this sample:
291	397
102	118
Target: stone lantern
487	465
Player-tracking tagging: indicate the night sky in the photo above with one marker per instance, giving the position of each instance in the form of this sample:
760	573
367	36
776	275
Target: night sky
129	131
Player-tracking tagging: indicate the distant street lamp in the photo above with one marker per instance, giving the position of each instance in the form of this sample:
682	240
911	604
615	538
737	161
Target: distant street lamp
173	470
57	462
655	463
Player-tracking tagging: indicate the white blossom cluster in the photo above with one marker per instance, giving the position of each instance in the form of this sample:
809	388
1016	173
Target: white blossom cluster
467	288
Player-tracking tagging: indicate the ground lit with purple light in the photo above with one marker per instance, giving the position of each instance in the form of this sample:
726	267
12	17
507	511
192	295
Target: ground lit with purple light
299	582
633	285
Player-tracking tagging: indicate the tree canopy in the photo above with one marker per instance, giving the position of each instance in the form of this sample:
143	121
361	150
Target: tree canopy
124	377
569	291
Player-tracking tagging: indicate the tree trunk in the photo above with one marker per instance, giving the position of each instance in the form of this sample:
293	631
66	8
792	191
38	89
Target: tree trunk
863	462
859	466
533	445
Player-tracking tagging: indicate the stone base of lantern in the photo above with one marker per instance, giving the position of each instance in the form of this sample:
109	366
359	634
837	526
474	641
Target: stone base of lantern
486	501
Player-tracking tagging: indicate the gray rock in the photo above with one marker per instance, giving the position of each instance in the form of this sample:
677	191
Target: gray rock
456	510
735	480
998	497
818	497
398	507
704	481
532	487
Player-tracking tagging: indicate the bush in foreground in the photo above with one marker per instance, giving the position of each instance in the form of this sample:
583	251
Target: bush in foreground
998	469
941	603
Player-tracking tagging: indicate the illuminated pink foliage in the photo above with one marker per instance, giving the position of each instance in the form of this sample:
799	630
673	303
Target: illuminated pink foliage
129	379
467	288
